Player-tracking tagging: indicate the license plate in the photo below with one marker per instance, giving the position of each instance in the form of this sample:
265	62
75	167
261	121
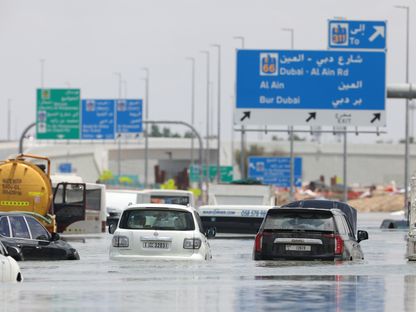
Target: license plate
156	245
298	247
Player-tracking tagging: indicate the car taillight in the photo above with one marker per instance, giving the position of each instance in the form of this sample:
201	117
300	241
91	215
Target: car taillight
258	242
339	245
192	243
120	241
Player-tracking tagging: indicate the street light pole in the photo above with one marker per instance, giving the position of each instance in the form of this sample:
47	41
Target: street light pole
124	82
9	119
119	134
42	71
218	114
243	133
146	134
292	162
207	116
192	59
406	146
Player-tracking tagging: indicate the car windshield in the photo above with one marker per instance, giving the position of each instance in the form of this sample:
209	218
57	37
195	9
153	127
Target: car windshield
300	220
157	219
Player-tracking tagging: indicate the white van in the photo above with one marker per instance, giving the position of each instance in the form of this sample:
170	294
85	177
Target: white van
95	217
233	219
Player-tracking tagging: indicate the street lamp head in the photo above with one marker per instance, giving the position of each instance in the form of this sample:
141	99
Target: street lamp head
145	69
401	7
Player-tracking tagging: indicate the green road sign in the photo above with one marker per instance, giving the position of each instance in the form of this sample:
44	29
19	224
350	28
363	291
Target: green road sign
58	114
226	173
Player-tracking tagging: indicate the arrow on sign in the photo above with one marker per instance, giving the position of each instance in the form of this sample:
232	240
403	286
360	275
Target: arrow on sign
246	115
379	31
311	116
377	116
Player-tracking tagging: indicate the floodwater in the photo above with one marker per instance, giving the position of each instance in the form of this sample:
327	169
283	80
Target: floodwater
385	280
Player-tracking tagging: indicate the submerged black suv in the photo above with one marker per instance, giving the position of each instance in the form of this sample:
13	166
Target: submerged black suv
26	239
309	230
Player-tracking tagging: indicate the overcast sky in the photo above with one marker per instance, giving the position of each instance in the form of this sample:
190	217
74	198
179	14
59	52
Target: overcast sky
84	42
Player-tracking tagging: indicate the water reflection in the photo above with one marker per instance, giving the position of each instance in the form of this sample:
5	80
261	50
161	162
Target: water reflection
410	292
314	293
230	282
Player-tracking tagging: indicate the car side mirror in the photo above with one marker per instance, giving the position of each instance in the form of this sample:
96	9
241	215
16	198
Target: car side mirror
362	235
55	237
112	228
211	232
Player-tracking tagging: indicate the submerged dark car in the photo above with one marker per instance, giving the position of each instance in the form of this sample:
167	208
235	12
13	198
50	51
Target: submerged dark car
296	232
26	239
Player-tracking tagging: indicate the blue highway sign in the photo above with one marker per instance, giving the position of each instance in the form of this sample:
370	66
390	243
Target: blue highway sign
357	34
129	116
275	170
65	168
98	119
297	87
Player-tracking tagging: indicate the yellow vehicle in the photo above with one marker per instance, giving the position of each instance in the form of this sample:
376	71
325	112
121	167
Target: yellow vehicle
26	187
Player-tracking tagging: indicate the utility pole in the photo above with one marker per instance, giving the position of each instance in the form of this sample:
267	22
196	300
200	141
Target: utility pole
406	152
42	71
146	140
291	133
120	81
9	119
243	133
207	120
192	59
218	114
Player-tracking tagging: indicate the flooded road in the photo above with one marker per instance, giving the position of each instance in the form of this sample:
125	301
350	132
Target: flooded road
230	282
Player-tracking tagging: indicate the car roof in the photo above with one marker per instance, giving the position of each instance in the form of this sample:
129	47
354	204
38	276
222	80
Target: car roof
260	207
163	206
16	213
350	212
302	209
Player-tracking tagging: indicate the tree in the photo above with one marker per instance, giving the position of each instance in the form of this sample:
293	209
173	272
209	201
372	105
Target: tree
256	150
155	132
188	134
166	132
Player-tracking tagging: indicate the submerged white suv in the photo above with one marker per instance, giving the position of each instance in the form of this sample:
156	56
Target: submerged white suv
9	269
160	231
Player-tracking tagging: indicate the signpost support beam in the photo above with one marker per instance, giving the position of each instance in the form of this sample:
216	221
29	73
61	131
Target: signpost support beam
345	167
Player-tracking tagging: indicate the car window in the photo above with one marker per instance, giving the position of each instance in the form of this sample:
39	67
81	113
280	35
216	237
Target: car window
4	227
342	229
347	227
3	250
19	227
37	230
157	219
299	220
198	220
